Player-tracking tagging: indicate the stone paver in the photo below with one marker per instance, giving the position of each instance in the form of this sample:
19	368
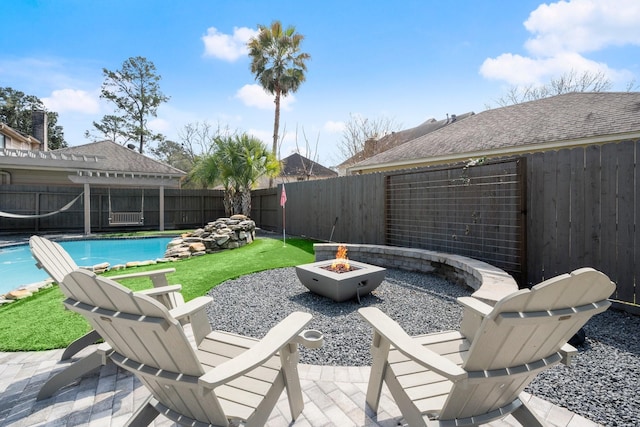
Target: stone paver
333	396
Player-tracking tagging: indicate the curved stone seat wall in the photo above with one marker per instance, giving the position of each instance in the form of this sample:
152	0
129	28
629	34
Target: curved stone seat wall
490	283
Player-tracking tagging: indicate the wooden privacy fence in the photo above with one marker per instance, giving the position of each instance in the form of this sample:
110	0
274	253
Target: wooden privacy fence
475	211
183	208
537	216
583	210
347	209
545	214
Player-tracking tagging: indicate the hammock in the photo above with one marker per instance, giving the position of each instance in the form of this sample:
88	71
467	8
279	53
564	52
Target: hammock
62	209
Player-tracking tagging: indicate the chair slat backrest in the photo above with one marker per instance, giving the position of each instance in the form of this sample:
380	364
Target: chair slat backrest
146	340
52	258
135	325
522	336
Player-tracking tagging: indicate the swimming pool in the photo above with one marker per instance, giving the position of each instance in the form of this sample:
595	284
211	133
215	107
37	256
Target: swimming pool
17	266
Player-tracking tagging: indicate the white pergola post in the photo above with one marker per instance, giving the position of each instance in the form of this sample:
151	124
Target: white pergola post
87	209
162	208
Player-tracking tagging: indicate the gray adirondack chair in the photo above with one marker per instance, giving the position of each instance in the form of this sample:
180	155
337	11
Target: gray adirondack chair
225	377
52	258
475	375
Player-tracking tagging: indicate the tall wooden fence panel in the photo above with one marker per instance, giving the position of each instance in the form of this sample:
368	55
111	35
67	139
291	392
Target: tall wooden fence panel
343	209
475	211
582	212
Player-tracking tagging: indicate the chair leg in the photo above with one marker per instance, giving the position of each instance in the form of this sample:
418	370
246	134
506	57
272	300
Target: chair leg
70	373
82	342
289	360
380	352
144	415
526	416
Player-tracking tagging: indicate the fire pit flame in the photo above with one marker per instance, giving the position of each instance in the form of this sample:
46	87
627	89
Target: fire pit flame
341	263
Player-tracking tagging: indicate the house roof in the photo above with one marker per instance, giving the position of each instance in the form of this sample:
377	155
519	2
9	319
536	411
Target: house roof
397	138
298	165
117	158
550	123
18	135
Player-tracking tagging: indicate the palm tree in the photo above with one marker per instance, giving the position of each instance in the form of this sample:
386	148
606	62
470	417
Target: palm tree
278	64
237	163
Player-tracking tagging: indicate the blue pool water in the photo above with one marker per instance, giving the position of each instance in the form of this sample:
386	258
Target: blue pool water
17	266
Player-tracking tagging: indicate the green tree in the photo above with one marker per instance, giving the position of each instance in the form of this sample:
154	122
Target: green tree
174	154
16	109
237	163
135	91
110	127
278	64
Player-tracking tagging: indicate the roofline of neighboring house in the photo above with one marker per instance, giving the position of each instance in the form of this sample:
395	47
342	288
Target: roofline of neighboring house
496	152
18	135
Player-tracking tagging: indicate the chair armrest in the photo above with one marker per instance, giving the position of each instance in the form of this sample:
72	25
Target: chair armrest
393	332
191	307
158	277
279	336
474	304
194	312
160	291
473	313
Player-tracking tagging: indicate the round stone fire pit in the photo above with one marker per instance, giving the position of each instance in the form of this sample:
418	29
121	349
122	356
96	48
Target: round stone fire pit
340	286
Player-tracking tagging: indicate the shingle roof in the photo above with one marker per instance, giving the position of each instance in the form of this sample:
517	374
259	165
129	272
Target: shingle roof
294	166
118	158
394	139
562	118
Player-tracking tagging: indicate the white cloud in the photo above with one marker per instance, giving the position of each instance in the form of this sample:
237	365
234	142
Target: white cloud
254	95
227	47
561	33
64	100
334	127
583	26
523	70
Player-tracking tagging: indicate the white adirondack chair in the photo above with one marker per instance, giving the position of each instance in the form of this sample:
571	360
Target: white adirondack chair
226	377
52	258
475	375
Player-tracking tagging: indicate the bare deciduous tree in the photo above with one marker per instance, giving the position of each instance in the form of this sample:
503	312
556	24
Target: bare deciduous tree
569	82
359	129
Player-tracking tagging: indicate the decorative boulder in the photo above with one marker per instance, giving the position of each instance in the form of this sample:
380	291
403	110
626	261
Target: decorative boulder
218	235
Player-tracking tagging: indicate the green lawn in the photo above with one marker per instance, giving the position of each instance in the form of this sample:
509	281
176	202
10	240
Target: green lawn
41	322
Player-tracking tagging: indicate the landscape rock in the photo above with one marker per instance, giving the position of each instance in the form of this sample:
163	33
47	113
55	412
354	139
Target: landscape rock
18	294
218	235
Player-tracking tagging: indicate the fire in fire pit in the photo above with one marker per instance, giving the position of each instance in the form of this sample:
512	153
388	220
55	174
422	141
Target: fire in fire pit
341	263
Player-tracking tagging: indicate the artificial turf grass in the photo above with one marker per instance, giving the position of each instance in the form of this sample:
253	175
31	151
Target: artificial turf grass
41	322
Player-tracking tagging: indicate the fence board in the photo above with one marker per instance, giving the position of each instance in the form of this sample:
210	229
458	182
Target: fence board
577	240
627	246
608	204
591	206
563	214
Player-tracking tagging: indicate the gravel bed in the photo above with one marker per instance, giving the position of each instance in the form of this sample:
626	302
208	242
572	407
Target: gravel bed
602	385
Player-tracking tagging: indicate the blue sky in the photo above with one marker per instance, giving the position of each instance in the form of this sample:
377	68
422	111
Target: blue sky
403	60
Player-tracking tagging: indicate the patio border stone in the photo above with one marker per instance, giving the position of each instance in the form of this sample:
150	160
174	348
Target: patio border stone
490	283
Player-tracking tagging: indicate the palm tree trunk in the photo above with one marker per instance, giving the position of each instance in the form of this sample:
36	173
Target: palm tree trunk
276	126
246	203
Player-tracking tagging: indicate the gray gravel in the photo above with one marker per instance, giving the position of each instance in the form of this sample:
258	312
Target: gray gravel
602	384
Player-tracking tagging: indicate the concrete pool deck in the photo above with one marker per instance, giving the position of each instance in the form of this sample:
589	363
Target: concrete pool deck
333	396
